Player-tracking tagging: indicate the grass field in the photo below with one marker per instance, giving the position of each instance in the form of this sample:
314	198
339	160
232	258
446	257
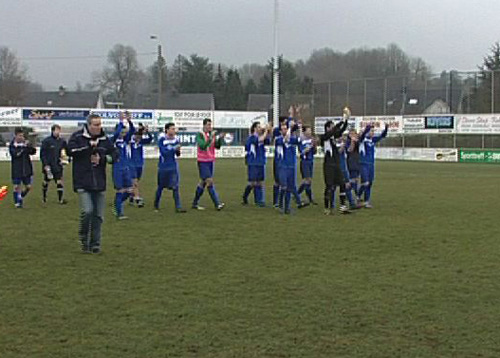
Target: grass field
417	276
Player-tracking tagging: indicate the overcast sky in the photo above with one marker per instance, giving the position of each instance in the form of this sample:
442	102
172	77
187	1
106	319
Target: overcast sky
448	34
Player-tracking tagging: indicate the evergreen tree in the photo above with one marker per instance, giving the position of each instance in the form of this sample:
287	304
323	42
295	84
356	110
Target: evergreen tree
234	91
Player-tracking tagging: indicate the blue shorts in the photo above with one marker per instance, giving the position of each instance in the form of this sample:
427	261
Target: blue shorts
367	173
256	173
206	170
306	169
168	179
287	177
354	174
122	178
136	172
24	180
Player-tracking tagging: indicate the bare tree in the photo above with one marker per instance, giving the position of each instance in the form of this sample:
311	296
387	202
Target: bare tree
13	79
122	74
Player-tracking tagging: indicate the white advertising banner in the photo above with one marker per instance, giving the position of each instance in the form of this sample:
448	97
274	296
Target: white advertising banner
414	124
11	116
241	120
188	121
111	117
395	123
418	154
478	124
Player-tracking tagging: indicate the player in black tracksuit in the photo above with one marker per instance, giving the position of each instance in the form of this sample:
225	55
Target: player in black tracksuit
51	154
331	166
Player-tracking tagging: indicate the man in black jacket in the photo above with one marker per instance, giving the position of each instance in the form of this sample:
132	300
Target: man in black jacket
51	152
91	150
21	168
332	172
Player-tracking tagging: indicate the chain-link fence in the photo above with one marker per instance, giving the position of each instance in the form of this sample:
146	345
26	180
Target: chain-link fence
448	92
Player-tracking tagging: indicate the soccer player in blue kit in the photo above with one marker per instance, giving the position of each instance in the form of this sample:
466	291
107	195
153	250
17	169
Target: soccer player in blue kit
122	177
256	163
286	147
367	143
140	138
168	168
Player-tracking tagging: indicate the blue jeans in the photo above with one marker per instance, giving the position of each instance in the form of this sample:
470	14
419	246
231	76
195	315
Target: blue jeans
91	217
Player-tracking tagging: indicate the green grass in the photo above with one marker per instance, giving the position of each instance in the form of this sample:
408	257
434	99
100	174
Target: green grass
415	277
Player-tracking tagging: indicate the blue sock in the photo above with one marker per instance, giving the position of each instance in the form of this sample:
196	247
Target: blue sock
281	198
276	194
246	193
16	198
118	204
198	194
368	193
288	197
177	198
348	193
296	196
302	187
309	192
332	198
125	196
354	186
256	194
213	195
362	189
262	199
159	191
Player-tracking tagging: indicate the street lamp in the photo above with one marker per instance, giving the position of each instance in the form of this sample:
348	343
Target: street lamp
276	76
160	68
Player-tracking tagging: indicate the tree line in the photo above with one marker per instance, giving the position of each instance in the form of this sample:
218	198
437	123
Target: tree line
122	79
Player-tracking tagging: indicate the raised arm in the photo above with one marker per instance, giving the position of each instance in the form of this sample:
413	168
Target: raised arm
381	135
365	132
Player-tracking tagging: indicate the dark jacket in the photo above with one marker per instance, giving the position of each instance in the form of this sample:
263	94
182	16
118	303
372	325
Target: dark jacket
20	158
50	153
332	156
87	176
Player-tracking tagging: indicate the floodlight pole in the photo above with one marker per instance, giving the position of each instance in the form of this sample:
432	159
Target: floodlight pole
276	77
160	69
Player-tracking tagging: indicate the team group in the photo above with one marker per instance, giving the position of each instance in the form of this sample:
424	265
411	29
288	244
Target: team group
348	164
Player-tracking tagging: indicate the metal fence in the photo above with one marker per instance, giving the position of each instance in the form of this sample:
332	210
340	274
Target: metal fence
448	92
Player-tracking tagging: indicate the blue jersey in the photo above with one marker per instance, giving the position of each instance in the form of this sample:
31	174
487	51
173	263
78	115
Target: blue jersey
307	143
256	150
287	150
367	146
342	156
122	145
169	150
137	150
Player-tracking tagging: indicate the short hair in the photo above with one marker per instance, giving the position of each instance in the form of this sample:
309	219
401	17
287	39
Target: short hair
328	124
18	130
92	116
207	120
169	125
305	127
54	127
254	125
282	119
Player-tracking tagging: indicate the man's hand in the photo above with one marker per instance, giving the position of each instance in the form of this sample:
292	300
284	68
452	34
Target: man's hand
46	168
95	158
